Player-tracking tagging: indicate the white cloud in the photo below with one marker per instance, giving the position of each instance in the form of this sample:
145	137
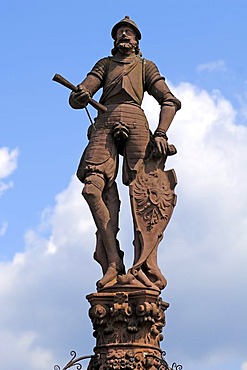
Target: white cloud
242	98
23	348
40	285
3	228
8	164
216	65
244	366
8	161
5	186
203	255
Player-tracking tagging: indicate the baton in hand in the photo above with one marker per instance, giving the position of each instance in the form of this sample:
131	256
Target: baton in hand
60	79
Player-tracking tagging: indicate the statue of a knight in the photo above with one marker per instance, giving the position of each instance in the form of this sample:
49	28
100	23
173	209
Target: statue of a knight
123	130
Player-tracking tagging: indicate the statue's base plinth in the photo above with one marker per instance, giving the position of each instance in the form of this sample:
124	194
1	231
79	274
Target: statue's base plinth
128	329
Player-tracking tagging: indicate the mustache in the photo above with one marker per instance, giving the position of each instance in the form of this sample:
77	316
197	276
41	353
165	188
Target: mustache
125	41
124	38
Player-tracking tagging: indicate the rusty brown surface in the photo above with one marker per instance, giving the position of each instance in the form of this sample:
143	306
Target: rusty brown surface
127	313
128	329
122	129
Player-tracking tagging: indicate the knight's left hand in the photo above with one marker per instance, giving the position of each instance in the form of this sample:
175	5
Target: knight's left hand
161	144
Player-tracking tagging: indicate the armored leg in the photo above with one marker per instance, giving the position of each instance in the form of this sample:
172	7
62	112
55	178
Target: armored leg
103	209
112	202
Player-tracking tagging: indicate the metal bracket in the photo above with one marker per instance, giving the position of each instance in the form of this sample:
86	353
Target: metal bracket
75	361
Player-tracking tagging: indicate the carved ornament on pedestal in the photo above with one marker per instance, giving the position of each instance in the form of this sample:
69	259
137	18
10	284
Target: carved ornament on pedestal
128	330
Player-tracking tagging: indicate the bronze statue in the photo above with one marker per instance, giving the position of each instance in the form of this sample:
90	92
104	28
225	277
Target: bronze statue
123	130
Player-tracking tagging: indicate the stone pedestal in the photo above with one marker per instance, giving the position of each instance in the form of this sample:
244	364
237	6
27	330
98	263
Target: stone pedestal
128	329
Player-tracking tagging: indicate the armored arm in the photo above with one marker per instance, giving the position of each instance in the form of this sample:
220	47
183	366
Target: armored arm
168	102
86	89
157	87
90	85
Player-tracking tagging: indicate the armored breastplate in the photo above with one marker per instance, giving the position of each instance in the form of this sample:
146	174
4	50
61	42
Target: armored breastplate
124	79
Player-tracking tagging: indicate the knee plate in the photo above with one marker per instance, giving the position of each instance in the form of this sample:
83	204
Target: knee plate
94	185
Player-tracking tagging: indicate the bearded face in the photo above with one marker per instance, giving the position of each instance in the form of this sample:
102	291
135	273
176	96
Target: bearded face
126	40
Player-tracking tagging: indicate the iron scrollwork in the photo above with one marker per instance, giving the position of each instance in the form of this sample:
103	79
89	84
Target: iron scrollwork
74	361
176	367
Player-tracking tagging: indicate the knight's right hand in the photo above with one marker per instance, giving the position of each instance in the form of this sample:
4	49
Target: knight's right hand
82	96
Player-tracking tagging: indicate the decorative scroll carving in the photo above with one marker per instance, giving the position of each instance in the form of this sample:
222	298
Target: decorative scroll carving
119	359
127	327
124	320
122	360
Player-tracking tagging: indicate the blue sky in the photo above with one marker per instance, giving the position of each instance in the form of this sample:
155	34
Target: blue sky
46	232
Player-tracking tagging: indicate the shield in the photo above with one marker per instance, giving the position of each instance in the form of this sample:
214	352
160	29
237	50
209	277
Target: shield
152	202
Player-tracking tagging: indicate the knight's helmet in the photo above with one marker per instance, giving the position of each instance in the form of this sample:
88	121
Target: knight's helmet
126	21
